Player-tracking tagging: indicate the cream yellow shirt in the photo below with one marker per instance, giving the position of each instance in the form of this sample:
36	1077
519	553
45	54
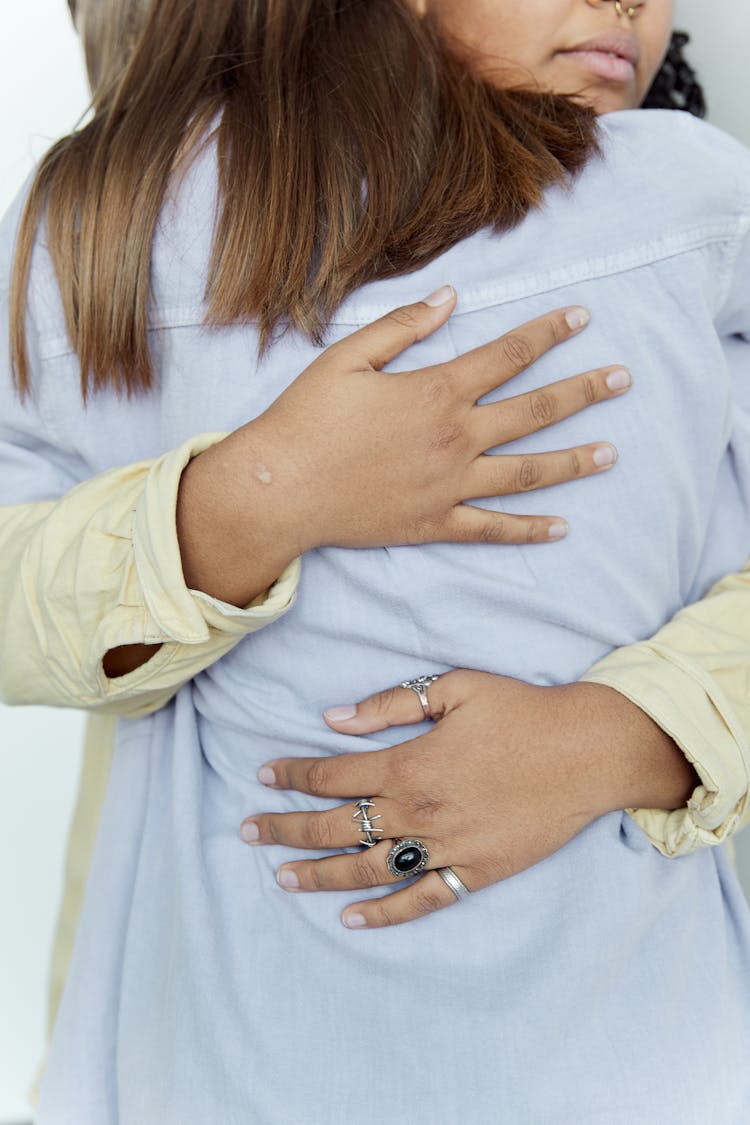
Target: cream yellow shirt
100	568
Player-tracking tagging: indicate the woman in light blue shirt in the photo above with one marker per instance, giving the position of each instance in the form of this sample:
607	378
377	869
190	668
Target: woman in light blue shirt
199	990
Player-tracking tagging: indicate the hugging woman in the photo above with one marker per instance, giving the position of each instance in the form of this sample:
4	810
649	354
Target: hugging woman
198	989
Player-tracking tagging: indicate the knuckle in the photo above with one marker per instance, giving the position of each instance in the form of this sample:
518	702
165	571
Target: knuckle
486	868
494	531
437	388
405	317
574	464
311	877
447	435
529	474
427	902
423	530
363	873
517	350
426	808
542	408
558	328
270	830
336	348
382	915
461	681
384	701
590	389
536	532
318	773
319	831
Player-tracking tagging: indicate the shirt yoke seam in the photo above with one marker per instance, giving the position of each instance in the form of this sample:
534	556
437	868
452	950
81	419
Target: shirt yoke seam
481	297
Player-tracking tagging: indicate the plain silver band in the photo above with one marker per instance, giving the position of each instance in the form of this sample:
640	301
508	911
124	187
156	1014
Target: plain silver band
451	879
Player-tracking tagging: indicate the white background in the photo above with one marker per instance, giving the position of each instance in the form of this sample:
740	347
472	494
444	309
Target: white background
42	94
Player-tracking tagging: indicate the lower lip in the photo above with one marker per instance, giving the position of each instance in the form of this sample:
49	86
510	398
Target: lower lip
611	67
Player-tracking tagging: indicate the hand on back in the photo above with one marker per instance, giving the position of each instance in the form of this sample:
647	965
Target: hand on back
367	458
353	456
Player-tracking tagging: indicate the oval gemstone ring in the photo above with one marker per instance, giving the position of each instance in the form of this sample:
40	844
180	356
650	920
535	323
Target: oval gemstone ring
407	857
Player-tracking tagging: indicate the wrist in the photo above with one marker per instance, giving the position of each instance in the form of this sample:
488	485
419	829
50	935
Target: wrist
627	759
234	528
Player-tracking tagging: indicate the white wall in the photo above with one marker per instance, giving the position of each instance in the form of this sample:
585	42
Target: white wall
721	39
719	50
42	93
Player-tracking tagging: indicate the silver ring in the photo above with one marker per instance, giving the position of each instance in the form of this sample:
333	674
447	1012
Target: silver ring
420	686
367	827
407	858
451	879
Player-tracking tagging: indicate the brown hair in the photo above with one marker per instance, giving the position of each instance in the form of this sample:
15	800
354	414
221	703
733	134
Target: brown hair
109	30
353	144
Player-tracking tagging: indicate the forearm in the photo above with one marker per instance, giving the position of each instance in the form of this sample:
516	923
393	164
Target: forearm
236	525
99	570
630	760
233	541
691	679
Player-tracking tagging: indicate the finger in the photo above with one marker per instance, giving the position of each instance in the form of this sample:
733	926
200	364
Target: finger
493	364
467	524
394	707
352	872
425	896
378	343
513	418
342	775
334	828
398	707
499	475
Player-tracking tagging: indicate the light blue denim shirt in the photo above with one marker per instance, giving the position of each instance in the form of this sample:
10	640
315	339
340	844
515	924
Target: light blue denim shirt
605	985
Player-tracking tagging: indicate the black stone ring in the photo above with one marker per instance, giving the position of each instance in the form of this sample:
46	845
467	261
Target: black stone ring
407	857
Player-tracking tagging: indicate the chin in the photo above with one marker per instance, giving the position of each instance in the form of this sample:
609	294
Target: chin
604	100
609	101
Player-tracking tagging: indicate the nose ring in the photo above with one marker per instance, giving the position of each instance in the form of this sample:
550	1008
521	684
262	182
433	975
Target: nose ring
621	11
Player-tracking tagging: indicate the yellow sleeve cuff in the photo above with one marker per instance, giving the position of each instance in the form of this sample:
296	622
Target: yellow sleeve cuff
686	702
100	568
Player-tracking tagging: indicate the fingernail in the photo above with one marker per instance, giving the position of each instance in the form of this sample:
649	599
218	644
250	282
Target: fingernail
558	531
605	455
340	714
619	380
266	775
354	921
250	832
287	879
577	317
440	297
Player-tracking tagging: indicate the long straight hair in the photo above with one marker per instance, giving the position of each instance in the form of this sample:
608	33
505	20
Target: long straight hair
352	145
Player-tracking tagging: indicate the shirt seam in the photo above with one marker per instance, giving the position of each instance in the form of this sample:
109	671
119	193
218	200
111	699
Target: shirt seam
483	296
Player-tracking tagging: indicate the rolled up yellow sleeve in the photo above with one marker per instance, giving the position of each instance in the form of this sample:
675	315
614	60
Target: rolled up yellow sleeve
693	679
99	568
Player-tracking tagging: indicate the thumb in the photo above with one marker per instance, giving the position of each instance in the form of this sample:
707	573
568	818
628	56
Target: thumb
380	342
395	707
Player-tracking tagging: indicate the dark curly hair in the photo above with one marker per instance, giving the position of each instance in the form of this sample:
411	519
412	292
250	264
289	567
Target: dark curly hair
676	86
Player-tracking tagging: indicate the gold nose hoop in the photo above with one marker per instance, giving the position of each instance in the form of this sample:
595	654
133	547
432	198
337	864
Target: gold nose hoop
622	11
